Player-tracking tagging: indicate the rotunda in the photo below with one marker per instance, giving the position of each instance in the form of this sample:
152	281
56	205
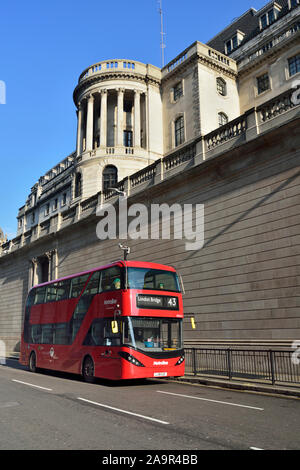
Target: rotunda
119	130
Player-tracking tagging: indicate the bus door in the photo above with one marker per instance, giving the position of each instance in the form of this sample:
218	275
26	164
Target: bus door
45	350
105	337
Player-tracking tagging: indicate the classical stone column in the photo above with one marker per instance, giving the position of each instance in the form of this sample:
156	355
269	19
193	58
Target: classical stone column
90	123
103	118
137	118
51	256
32	278
120	114
79	128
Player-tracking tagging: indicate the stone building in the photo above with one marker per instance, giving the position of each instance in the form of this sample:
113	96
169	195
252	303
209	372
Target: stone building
219	126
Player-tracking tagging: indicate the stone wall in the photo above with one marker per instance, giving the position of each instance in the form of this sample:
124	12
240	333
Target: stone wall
243	284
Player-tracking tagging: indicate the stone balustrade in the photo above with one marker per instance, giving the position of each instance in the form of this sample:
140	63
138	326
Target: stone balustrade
278	105
117	66
181	156
143	175
110	66
226	132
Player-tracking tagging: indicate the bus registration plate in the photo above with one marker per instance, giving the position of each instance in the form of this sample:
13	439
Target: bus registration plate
160	374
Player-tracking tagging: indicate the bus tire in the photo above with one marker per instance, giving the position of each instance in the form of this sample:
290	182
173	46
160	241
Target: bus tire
88	370
32	362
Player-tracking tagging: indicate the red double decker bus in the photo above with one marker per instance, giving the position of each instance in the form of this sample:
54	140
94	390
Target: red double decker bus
119	321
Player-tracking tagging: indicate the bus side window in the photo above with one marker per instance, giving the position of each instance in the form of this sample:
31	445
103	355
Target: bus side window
36	333
51	293
111	279
94	336
77	284
63	288
31	298
61	333
47	334
40	295
105	281
92	287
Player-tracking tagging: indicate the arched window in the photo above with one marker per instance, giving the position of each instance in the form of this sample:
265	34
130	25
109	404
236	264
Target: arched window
221	86
78	185
223	119
109	177
179	131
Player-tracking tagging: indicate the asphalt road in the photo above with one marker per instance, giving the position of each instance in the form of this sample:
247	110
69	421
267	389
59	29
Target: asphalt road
53	411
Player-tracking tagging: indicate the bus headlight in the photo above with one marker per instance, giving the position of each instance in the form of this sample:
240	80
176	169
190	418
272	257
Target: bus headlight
128	357
180	361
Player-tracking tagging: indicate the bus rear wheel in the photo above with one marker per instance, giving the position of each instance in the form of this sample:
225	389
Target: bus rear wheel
32	362
88	370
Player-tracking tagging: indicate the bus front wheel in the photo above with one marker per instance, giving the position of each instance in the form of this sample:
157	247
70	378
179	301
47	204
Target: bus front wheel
88	370
32	362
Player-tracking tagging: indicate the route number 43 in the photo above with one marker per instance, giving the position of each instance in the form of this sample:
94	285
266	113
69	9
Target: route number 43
172	302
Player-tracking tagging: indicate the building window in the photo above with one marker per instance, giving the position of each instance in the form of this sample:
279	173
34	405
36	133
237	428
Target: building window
55	204
64	199
177	91
294	3
44	265
223	119
263	83
294	65
127	106
179	131
127	139
269	17
109	177
47	209
221	86
78	185
234	42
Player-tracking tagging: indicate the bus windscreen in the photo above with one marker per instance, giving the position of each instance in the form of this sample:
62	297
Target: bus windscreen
152	279
152	334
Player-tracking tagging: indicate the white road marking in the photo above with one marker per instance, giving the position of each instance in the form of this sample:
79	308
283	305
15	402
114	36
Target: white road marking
122	411
8	404
256	448
213	401
32	385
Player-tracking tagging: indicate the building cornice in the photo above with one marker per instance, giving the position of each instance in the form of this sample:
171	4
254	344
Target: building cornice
86	83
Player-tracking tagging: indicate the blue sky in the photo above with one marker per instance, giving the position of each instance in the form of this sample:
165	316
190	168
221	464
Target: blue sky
45	45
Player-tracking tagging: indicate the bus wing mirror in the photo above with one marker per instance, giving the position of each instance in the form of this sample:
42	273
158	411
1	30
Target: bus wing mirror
181	282
114	327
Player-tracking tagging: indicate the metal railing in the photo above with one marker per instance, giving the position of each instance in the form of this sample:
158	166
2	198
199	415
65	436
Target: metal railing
267	366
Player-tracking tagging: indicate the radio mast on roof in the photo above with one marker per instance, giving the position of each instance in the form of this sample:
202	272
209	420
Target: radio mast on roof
162	34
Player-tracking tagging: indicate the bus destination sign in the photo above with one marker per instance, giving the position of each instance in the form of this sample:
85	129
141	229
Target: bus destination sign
157	301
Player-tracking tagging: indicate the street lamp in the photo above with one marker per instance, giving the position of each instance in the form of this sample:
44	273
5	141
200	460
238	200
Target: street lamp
126	250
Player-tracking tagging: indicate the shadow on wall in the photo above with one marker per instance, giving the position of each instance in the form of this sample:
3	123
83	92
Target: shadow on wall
247	212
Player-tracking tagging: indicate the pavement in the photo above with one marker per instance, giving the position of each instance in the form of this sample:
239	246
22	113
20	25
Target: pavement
283	390
292	390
